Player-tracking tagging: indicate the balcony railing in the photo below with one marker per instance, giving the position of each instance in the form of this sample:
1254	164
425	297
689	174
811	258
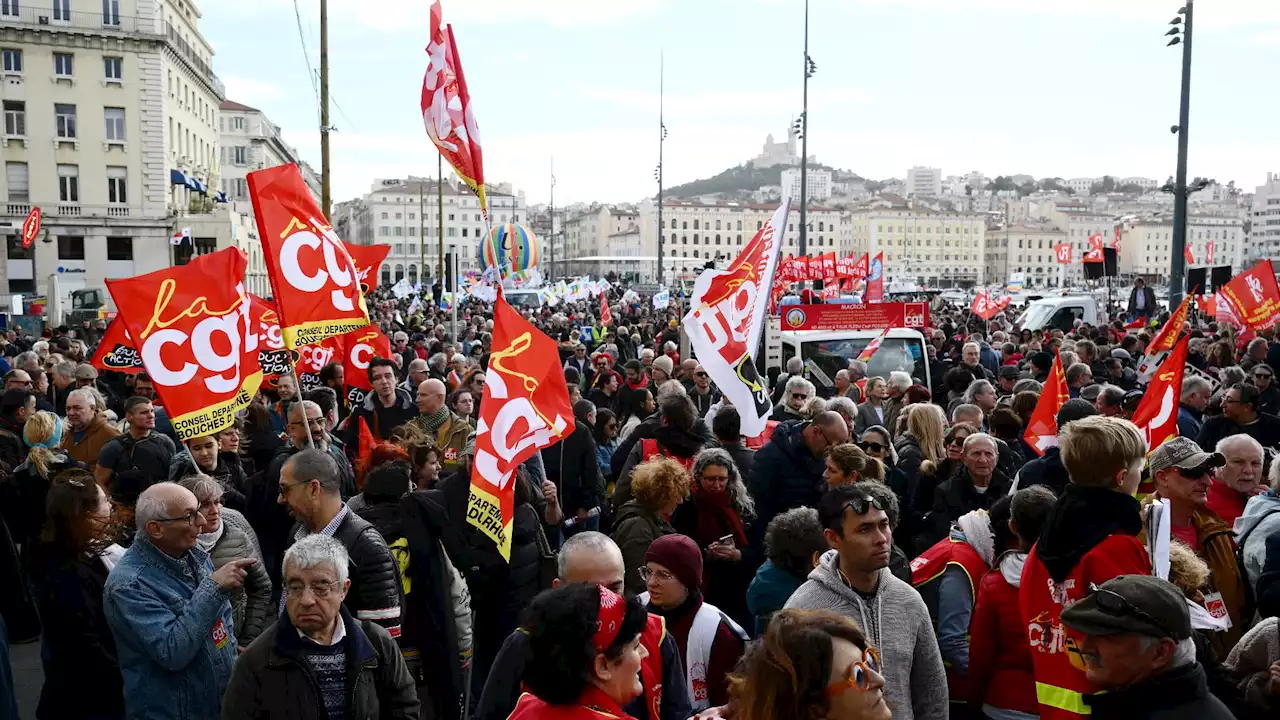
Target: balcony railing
21	210
47	17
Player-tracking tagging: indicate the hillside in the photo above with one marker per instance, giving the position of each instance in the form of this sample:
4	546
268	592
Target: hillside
743	178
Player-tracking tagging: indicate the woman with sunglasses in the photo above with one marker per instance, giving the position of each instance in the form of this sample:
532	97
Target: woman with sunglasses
606	433
810	664
953	441
67	566
590	646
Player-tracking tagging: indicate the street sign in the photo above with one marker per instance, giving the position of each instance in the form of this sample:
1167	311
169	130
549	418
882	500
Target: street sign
31	227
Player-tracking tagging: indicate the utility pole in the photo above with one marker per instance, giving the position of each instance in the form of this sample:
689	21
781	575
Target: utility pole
804	139
1178	267
662	137
440	219
422	229
551	232
324	107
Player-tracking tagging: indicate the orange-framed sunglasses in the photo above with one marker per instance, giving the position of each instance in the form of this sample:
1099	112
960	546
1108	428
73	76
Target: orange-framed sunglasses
859	673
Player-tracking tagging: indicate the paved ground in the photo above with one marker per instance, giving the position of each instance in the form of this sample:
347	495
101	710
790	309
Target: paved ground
27	677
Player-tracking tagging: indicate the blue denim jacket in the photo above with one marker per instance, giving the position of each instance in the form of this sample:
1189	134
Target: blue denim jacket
163	612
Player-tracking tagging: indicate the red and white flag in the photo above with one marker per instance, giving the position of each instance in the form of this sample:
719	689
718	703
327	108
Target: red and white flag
1208	252
870	350
1157	414
727	316
987	308
1095	254
447	111
875	280
1254	297
1188	254
1062	251
525	408
860	268
1115	244
1042	430
606	317
1164	340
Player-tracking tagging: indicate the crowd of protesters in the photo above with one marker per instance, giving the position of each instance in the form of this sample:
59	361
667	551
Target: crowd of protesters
887	547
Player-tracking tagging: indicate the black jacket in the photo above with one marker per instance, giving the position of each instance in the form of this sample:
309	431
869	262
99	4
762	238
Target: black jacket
381	420
786	475
743	456
671	440
136	464
956	496
229	473
1047	471
24	497
1178	694
571	464
82	673
375	581
1150	309
1266	431
502	689
274	679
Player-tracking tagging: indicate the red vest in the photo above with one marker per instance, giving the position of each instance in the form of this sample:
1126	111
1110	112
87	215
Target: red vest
649	449
1055	652
926	572
655	631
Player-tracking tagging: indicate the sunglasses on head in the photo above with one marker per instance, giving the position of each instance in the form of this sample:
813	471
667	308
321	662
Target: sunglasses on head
859	673
1116	605
862	505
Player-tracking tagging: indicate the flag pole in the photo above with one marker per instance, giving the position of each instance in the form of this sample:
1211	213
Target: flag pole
324	108
440	217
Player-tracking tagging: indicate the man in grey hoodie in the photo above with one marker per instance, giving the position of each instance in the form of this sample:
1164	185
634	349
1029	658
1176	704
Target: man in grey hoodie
853	579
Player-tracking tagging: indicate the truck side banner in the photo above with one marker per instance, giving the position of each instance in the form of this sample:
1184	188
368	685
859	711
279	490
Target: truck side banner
913	315
727	316
316	284
195	336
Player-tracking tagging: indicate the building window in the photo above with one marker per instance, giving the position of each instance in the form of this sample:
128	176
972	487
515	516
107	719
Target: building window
65	119
12	61
16	175
70	248
464	231
17	252
239	155
398	216
399	231
113	68
120	248
384	216
673	223
384	231
386	275
15	118
110	12
63	64
115	124
117	181
399	273
69	183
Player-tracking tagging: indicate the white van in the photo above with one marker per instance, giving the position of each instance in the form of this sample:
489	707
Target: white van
828	352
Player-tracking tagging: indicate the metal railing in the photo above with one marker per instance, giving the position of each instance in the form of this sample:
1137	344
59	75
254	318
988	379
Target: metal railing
21	210
51	18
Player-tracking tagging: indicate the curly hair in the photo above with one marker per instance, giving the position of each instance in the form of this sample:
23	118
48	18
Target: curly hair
1186	570
739	498
785	674
659	483
561	624
417	443
792	538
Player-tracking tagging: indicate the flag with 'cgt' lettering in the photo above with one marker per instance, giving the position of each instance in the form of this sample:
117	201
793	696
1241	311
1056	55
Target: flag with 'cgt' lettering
315	281
193	329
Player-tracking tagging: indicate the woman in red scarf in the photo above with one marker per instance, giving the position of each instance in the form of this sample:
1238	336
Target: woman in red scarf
716	516
586	640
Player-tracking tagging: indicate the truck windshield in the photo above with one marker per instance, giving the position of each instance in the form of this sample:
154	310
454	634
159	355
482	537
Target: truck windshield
1036	316
831	356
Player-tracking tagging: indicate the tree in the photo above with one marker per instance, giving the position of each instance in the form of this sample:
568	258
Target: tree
1001	183
1107	185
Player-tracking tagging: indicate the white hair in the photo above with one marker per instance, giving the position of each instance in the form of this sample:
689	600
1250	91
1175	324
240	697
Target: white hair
974	345
458	358
858	366
91	396
671	387
303	406
1229	442
40	347
900	380
1274	477
1184	653
315	550
975	387
1192	384
646	353
842	374
965	409
795	366
151	505
847	408
669	347
796	382
590	541
978	437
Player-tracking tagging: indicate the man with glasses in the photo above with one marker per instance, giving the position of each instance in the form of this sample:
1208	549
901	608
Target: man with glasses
325	646
310	487
703	393
1240	414
1268	393
170	612
137	458
787	472
1183	474
1137	648
853	579
795	394
18	379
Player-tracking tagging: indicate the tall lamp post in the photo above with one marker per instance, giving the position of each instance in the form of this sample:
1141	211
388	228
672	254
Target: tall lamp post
1178	267
657	172
802	129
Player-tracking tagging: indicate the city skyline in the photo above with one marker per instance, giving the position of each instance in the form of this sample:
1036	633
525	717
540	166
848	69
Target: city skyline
992	85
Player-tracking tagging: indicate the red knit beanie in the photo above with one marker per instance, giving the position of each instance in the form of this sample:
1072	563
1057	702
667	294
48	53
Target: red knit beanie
679	554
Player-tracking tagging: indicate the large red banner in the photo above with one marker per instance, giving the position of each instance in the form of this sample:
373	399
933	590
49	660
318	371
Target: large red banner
362	346
192	328
878	316
274	359
525	408
315	281
116	351
1042	429
368	259
311	359
1255	297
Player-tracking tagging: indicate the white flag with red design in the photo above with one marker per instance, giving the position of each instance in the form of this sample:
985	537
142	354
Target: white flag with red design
606	316
447	112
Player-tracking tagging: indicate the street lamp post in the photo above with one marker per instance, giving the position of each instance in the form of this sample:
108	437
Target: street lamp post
657	173
803	126
1178	267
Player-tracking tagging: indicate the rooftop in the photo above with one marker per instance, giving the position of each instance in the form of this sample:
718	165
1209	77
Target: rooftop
233	106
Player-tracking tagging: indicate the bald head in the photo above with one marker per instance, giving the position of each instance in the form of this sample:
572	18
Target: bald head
591	558
826	429
430	396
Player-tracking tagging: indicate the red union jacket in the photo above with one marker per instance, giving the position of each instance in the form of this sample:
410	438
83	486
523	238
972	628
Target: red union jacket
1055	651
926	574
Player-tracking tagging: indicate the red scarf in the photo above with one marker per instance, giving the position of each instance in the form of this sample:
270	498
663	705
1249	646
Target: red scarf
716	517
594	704
643	382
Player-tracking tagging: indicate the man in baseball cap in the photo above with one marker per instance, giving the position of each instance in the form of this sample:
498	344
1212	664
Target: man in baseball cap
1137	648
1183	474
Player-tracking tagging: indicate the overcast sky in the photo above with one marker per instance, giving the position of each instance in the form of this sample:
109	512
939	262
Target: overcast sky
1044	87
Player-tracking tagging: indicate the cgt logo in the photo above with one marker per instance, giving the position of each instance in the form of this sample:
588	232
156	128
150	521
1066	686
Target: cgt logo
913	315
362	351
332	266
214	343
315	357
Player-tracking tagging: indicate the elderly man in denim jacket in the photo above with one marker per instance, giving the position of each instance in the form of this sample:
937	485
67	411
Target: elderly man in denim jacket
170	614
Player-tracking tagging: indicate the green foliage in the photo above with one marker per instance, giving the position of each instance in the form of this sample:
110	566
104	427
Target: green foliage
743	178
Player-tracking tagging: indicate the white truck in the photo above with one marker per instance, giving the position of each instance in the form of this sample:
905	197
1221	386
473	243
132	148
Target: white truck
1060	313
826	352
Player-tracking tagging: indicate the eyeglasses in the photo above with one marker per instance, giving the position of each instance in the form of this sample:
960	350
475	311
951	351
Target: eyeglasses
647	572
1193	473
956	441
1262	376
1116	605
313	422
859	674
191	518
700	374
861	505
874	447
320	588
286	487
799	396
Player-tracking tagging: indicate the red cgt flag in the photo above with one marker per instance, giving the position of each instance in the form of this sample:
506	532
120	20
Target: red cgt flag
1042	430
1208	305
1157	414
192	328
1254	297
606	316
360	347
1095	254
312	359
1188	254
314	279
368	259
525	408
447	112
274	359
1062	251
986	308
116	351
